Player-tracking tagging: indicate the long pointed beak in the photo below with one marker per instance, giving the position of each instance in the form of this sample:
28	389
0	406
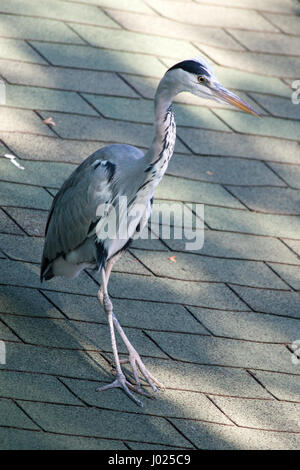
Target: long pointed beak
222	94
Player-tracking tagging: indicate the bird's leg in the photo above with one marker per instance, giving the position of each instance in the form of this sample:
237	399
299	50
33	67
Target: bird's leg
120	380
134	357
109	267
135	360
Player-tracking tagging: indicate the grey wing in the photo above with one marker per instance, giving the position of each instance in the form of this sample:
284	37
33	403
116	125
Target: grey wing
74	209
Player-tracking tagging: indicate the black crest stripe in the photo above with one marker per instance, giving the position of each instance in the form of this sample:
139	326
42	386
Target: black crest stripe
191	66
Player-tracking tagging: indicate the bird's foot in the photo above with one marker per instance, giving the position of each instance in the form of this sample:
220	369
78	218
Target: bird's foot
121	382
136	362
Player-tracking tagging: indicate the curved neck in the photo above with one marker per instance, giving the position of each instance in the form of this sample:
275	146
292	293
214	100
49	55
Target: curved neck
163	143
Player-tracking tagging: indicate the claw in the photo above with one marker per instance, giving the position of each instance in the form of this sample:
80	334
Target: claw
121	382
135	361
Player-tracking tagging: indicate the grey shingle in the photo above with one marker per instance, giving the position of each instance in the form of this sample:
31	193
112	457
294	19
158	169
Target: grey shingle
215	436
171	403
35	387
219	218
283	386
193	267
76	335
236	145
206	379
87	81
289	273
13	26
290	173
8	226
270	301
12	416
211	15
248	325
25	301
262	414
273	65
59	10
173	291
33	148
70	126
224	352
92	422
55	361
28	275
156	24
225	170
18	439
86	57
24	196
240	246
32	221
269	200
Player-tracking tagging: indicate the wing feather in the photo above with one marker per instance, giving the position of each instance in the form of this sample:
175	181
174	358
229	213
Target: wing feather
74	208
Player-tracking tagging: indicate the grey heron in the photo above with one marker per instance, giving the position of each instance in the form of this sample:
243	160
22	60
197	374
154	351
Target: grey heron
74	237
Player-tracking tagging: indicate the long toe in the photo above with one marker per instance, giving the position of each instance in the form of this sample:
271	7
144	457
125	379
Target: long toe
121	382
136	362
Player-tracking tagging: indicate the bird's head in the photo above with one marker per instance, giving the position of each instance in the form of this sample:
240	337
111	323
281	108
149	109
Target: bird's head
196	76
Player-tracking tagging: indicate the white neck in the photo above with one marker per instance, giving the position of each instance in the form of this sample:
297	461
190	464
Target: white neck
161	150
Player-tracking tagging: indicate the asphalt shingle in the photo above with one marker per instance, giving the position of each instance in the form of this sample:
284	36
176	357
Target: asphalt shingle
70	126
63	78
263	414
268	42
217	325
206	378
17	439
12	416
156	24
34	387
282	386
214	436
269	200
211	15
37	28
273	65
24	301
143	111
239	246
17	49
92	422
270	301
193	267
22	120
289	24
248	325
174	291
224	351
176	403
52	361
205	142
86	57
225	170
28	97
63	11
58	150
24	196
219	218
136	42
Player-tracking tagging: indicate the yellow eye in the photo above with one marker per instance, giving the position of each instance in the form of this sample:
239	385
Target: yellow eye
201	79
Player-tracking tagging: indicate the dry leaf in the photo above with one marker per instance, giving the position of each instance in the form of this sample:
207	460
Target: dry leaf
173	258
49	121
